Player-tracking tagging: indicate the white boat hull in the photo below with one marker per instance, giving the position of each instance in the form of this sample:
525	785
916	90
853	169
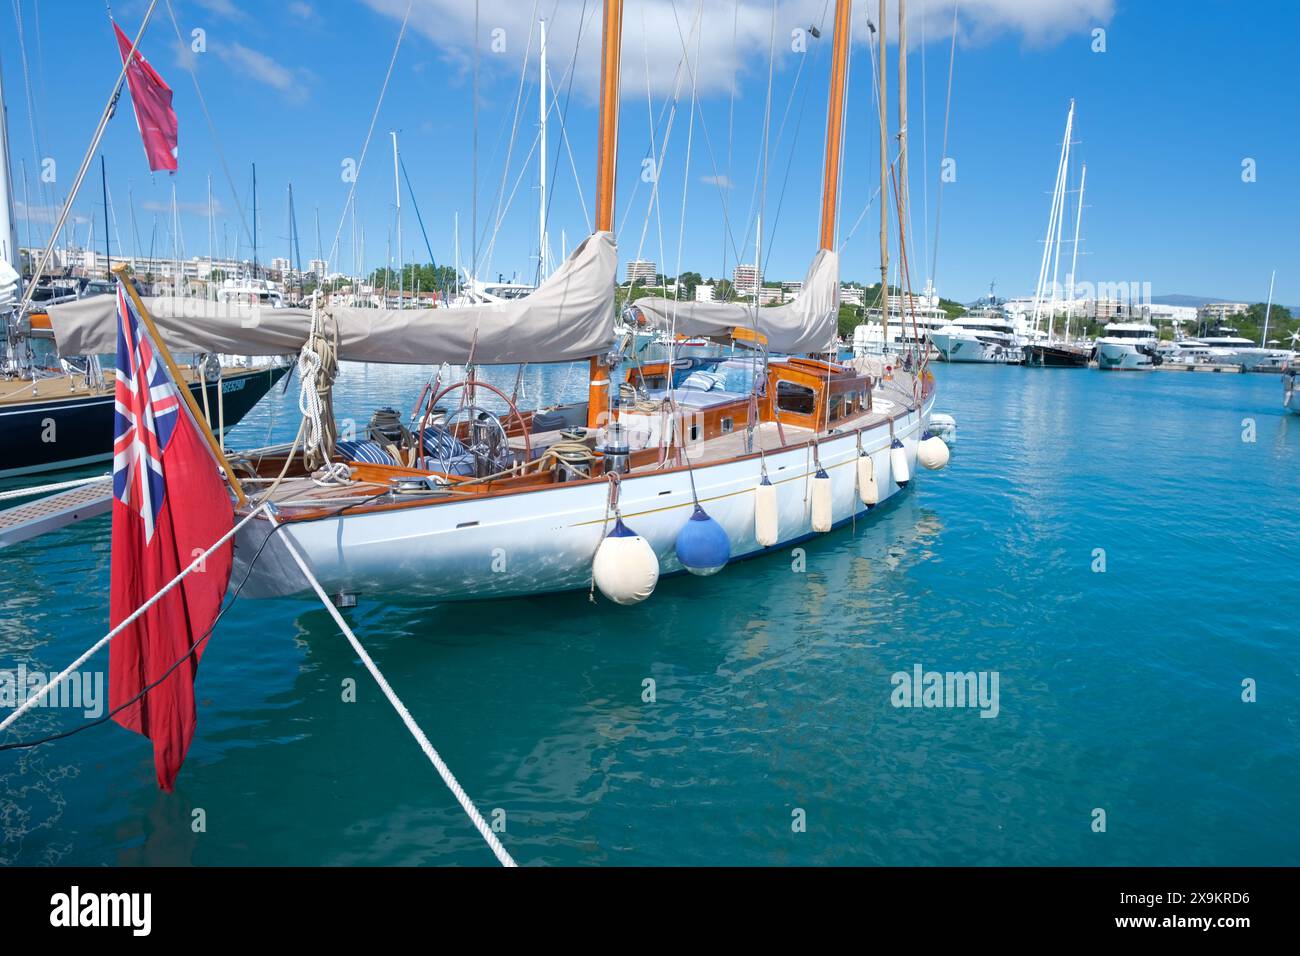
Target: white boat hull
543	541
1120	357
968	348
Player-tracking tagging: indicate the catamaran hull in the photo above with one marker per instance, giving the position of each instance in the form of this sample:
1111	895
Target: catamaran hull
49	435
543	541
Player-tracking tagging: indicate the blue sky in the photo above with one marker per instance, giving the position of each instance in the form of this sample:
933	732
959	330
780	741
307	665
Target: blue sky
1166	115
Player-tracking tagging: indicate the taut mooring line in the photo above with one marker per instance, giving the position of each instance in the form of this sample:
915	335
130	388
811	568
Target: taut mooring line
443	770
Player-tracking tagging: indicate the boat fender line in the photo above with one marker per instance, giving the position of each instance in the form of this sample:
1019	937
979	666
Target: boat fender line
933	451
767	520
702	545
444	771
34	699
822	502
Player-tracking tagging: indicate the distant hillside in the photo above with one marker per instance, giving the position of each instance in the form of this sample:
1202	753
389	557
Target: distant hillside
1196	301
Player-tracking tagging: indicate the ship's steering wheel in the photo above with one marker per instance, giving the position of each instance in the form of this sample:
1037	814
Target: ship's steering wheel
483	454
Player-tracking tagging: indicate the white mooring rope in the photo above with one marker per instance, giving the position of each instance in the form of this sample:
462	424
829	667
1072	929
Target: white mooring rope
443	770
62	676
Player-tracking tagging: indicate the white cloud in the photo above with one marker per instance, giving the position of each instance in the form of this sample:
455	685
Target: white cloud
303	11
733	40
222	8
722	181
44	215
291	82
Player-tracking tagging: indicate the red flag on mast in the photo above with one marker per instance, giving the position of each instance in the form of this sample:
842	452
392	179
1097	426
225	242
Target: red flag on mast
169	506
152	99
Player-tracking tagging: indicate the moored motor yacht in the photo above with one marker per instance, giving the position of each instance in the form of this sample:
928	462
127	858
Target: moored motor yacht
1127	346
979	337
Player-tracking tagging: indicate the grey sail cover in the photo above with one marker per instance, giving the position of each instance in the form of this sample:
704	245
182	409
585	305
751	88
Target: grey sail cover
808	324
568	317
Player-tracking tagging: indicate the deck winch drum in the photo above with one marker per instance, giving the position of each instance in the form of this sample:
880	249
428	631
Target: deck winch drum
616	450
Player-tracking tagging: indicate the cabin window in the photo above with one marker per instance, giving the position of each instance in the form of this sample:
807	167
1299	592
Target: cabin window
795	398
694	431
728	425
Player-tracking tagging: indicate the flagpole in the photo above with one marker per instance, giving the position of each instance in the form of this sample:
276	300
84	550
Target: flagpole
85	164
123	273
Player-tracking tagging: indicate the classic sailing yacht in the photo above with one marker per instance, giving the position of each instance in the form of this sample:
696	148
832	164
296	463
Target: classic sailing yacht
664	475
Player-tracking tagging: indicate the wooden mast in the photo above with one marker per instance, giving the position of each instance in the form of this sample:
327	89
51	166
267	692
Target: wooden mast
612	37
835	124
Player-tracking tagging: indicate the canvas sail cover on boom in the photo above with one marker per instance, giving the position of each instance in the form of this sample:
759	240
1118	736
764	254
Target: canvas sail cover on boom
568	317
808	324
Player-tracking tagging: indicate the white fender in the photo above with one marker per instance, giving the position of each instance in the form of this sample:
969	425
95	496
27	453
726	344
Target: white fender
867	490
626	568
766	514
933	452
898	466
822	504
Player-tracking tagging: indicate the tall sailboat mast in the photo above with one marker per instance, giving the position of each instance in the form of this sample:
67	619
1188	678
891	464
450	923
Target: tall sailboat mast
1053	220
903	191
835	125
1268	311
541	156
1074	249
397	192
8	222
884	183
103	188
255	273
612	37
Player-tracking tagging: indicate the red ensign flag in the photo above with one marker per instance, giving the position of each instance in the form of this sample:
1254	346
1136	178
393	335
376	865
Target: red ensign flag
152	99
170	506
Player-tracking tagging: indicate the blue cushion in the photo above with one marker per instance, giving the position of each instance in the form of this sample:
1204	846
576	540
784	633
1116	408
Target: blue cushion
367	451
440	443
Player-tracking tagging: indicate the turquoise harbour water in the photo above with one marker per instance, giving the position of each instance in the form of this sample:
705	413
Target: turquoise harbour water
1118	690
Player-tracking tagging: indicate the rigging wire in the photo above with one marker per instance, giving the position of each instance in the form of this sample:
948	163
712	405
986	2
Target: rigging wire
947	111
564	128
212	128
374	117
510	145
